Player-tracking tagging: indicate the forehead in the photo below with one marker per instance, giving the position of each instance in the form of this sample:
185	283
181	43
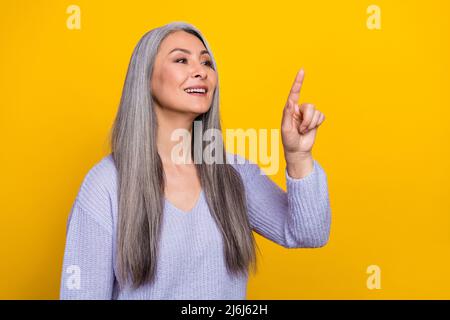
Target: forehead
181	39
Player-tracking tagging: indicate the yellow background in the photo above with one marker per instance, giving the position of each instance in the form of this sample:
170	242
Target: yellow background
384	143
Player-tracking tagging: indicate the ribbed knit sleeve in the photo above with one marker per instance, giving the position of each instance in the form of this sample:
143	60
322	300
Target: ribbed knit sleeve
88	261
297	218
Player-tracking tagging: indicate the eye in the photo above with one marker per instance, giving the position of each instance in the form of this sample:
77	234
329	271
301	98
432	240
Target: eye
208	62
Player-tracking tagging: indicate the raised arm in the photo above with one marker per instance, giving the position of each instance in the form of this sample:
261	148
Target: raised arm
298	218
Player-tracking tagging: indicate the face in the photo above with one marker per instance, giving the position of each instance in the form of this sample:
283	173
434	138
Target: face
175	71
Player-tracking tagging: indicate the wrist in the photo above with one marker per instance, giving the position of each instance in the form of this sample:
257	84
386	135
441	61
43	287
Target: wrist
299	165
295	157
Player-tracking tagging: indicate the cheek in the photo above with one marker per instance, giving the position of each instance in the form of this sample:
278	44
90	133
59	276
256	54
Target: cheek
168	91
174	73
214	80
166	83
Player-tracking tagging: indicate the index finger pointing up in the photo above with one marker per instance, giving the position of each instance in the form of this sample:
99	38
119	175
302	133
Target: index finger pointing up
296	86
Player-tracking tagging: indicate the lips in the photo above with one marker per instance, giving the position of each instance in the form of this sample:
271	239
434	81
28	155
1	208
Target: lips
200	86
197	94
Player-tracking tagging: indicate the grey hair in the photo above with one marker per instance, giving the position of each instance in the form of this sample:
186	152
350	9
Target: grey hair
141	177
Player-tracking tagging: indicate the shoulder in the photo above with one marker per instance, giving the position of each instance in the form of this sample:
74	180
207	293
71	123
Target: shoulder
98	189
101	177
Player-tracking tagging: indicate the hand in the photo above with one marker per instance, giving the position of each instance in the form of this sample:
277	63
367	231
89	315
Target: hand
299	124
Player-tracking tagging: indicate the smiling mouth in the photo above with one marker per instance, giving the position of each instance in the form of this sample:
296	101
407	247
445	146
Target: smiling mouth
198	94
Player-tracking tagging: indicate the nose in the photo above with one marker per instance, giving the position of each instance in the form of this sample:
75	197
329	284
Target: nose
198	70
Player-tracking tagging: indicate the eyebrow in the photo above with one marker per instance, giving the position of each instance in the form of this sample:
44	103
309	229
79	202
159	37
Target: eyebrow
187	51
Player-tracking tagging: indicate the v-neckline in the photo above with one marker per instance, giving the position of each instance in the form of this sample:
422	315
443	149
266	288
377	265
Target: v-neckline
178	210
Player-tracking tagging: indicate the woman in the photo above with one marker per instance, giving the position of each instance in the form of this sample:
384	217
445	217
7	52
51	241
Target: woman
144	227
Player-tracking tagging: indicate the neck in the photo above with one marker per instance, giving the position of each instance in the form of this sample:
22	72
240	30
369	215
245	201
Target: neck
169	122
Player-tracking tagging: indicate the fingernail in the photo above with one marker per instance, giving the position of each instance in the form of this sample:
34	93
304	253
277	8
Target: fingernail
296	108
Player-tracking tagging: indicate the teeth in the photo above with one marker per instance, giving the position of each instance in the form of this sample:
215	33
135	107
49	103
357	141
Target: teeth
195	90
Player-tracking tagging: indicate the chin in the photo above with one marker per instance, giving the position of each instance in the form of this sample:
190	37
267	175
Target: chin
200	108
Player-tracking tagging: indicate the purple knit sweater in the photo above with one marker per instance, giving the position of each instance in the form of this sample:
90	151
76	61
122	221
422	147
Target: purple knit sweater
191	262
